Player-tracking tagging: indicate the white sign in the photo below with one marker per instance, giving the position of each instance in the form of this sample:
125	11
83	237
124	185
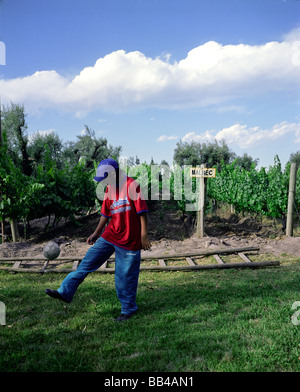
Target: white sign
202	172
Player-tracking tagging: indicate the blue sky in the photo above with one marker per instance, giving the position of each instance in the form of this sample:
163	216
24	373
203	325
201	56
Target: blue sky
147	73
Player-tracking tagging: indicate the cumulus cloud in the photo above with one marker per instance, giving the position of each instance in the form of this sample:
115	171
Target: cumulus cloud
210	74
164	138
42	88
207	136
244	136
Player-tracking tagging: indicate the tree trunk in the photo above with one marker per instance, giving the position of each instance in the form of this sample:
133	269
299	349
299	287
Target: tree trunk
3	231
14	230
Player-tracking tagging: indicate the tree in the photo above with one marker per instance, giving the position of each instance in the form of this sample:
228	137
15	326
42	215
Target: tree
129	161
66	192
37	148
164	163
42	176
14	125
211	154
246	162
295	157
90	148
17	190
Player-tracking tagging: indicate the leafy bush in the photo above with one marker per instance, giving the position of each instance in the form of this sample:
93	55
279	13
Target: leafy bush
66	192
264	192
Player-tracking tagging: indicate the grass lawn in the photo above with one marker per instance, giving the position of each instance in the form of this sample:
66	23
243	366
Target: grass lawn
203	321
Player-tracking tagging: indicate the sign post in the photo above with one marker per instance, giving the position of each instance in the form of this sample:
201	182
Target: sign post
203	173
291	200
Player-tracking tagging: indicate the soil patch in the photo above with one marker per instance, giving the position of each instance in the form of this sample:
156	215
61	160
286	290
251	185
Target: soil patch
169	232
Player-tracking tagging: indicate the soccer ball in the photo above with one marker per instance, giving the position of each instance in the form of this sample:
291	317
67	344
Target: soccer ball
51	250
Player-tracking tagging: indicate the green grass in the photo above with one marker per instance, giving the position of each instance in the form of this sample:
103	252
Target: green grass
217	320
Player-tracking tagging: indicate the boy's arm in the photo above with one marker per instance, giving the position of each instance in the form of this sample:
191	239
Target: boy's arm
144	231
92	238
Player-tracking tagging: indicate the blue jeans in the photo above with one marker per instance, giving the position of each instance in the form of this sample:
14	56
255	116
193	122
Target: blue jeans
127	268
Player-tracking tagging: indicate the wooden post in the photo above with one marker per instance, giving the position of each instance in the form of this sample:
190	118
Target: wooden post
291	200
201	207
203	173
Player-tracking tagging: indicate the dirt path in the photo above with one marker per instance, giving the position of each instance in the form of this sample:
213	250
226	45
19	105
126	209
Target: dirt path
168	232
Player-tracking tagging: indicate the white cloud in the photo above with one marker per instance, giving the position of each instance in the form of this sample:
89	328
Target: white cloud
199	138
245	137
42	88
46	132
80	113
164	138
211	73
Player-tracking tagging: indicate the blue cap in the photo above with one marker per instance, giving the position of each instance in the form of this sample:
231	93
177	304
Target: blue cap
106	166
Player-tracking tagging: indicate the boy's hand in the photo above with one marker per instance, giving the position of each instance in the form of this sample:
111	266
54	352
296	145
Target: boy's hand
146	245
92	239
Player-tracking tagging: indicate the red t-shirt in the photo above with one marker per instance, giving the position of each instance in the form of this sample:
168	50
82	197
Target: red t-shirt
122	205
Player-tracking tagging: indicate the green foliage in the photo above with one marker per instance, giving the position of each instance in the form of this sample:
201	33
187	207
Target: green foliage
246	161
89	148
256	191
63	193
264	192
295	157
211	154
42	176
66	192
17	191
184	190
45	177
14	125
37	150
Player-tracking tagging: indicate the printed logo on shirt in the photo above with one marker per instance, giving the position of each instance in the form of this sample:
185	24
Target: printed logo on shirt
117	211
120	206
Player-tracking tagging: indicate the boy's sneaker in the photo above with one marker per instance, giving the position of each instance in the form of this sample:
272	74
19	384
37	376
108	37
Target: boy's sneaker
124	317
55	294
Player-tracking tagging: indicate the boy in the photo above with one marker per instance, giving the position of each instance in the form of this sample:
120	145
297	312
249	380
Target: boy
126	234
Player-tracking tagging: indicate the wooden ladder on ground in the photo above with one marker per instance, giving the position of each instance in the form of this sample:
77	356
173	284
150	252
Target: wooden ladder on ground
188	262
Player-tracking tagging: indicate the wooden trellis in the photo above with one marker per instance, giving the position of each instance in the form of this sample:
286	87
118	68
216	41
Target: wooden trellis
184	262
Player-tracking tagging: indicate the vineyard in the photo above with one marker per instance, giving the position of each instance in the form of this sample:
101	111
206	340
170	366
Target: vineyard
261	192
45	178
71	192
62	193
